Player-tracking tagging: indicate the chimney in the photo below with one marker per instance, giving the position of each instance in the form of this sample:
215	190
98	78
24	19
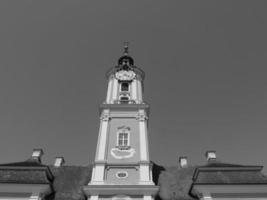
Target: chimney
211	155
59	161
183	162
37	154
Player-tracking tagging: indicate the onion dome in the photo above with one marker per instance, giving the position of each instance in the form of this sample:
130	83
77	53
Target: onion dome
126	63
126	59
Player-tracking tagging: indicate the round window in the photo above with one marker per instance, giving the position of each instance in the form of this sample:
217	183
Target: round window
122	174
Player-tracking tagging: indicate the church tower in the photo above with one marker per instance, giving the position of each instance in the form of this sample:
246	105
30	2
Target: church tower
122	169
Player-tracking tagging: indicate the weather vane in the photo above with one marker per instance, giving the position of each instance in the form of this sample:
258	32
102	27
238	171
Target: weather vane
126	44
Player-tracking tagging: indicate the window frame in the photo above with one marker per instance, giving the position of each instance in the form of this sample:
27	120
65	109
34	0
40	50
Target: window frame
120	177
123	131
128	86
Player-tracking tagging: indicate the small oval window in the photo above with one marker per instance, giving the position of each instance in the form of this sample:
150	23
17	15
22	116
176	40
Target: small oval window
122	174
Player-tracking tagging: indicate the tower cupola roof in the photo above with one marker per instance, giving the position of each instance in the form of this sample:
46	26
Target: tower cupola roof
126	63
126	59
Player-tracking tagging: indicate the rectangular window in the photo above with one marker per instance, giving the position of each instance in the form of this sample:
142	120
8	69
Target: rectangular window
123	139
125	87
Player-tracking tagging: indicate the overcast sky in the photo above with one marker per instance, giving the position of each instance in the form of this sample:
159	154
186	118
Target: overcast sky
205	64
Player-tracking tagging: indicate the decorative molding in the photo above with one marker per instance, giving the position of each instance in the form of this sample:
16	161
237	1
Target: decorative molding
121	197
239	195
127	128
124	107
36	190
123	166
122	172
124	114
122	153
100	162
125	75
105	117
123	129
145	162
141	117
229	190
15	195
120	189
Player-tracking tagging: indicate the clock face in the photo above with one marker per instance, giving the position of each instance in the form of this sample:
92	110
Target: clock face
125	75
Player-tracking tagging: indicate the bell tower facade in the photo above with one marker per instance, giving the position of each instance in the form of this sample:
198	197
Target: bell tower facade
122	169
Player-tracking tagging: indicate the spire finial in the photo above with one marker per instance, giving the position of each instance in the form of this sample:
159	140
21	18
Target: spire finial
126	51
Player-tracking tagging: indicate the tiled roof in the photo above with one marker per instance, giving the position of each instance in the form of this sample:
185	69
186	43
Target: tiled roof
27	172
220	164
223	173
231	177
69	182
27	163
156	170
175	182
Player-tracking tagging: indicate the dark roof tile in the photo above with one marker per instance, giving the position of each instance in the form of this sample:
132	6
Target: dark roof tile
225	173
175	183
27	172
23	177
156	170
28	163
69	181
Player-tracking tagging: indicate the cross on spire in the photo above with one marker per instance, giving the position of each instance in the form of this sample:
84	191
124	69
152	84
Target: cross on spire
126	51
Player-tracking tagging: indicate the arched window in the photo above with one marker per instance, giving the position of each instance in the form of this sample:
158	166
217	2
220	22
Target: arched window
124	87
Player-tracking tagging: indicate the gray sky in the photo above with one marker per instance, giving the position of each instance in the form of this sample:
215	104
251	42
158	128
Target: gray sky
205	64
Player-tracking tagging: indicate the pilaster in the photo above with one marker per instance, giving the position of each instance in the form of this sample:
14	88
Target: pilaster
98	174
102	140
134	90
109	93
115	89
142	135
139	91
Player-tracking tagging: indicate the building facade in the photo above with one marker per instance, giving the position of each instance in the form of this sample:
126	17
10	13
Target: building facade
122	154
122	169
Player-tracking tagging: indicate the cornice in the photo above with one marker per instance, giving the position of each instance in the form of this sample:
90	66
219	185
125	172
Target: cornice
124	107
120	189
136	69
213	169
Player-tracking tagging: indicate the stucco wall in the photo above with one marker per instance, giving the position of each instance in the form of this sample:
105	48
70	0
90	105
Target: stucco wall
131	178
115	124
